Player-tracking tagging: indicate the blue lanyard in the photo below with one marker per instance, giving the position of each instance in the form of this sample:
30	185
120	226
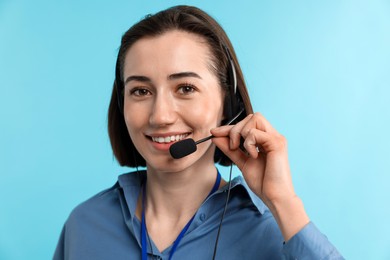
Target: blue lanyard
181	235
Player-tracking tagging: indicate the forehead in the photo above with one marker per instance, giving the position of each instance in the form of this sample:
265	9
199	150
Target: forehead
172	51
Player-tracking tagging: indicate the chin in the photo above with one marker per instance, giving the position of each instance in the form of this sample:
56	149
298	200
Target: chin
170	165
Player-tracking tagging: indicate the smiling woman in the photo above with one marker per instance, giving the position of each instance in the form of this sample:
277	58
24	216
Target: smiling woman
176	79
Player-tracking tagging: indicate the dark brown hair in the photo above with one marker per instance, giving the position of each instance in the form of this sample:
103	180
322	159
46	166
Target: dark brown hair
184	18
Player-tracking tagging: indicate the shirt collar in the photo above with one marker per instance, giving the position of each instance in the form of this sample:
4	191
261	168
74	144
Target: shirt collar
239	181
131	183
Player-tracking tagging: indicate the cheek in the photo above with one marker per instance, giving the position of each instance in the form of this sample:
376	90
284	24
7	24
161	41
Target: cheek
133	120
206	115
130	127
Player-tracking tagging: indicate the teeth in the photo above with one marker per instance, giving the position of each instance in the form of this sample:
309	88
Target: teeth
169	139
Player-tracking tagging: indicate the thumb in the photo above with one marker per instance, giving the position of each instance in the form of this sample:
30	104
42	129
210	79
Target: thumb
237	156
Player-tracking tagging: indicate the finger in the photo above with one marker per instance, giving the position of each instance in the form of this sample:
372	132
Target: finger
258	140
237	156
236	132
259	122
254	139
221	130
233	131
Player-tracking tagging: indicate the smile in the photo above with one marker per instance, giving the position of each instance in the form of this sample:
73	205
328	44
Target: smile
169	139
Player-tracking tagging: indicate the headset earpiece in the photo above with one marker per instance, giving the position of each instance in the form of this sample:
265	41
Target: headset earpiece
234	103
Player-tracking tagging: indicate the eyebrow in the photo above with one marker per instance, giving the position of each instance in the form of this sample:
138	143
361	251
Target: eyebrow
137	78
184	75
174	76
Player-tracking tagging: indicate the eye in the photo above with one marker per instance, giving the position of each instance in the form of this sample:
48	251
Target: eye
139	92
186	89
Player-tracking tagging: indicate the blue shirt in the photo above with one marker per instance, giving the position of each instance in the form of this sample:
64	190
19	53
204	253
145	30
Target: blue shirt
105	227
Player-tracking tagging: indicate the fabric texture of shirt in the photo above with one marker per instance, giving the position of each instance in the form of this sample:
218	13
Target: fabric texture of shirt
105	227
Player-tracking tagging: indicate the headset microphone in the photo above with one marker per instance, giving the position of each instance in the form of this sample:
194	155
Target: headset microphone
188	146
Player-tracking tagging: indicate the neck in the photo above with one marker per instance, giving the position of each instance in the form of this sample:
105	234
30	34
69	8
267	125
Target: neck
178	195
172	199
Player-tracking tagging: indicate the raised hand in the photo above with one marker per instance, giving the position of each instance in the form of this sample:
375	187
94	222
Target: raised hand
264	165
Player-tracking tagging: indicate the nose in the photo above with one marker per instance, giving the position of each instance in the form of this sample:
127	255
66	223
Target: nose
164	111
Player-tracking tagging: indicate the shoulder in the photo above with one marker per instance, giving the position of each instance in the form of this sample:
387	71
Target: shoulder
254	227
97	228
105	204
245	205
241	191
92	208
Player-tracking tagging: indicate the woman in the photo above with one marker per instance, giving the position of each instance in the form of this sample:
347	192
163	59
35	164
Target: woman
177	77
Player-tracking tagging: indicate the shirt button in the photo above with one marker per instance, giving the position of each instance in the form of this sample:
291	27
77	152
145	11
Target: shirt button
202	217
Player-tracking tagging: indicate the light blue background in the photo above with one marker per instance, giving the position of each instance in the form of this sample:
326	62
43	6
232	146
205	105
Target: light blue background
318	70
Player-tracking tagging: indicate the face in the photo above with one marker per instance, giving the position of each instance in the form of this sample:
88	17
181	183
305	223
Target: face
171	94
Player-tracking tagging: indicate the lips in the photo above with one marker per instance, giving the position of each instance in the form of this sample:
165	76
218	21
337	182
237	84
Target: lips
168	139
